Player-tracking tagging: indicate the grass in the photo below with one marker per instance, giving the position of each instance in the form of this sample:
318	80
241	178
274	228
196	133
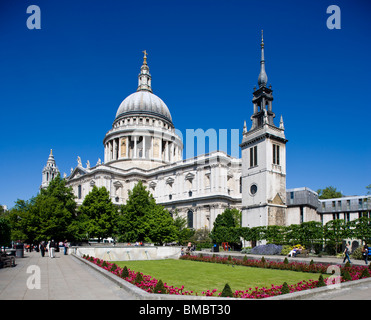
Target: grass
202	276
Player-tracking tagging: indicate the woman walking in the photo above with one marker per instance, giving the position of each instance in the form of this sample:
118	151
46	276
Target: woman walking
347	253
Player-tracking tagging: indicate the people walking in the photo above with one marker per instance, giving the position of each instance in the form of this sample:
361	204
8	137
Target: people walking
365	253
52	249
347	253
42	249
65	247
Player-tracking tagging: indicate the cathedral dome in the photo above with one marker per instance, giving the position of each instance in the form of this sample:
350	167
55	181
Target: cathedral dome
146	103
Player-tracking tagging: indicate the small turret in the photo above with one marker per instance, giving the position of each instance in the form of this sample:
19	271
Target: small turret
50	171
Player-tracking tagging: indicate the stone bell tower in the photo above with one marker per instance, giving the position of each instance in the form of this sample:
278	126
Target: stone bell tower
263	150
49	172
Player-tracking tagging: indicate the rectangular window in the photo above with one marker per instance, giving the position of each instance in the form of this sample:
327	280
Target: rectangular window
276	154
253	156
79	191
301	214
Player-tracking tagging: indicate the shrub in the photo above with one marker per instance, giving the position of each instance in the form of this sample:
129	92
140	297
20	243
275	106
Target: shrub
365	274
114	267
160	288
321	282
286	261
262	260
267	249
346	276
125	272
285	288
357	254
286	250
138	278
227	291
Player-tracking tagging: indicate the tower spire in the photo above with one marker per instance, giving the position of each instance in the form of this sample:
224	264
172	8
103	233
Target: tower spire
144	78
263	78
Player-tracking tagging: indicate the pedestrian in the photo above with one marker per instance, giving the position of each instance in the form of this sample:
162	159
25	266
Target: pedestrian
52	249
189	246
365	253
347	253
42	249
65	247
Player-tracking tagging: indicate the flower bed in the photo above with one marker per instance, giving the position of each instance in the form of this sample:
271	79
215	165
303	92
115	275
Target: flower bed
152	285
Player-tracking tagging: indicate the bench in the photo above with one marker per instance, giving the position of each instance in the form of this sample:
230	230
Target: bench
7	261
302	254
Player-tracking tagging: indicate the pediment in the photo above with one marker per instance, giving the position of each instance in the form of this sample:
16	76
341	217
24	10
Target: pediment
189	176
117	184
169	180
277	200
77	173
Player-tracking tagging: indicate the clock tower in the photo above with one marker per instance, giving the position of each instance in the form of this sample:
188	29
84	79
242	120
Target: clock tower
263	150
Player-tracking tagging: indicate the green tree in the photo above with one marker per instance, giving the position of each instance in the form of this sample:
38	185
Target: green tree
53	211
368	189
19	218
143	220
5	232
275	234
184	233
47	216
329	193
226	227
98	216
335	231
361	228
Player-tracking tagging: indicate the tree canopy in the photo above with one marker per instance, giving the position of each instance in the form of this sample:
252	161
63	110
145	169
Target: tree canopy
329	193
144	220
226	227
45	217
97	216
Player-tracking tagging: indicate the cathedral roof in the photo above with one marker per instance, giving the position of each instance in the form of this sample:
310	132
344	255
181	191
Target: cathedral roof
144	102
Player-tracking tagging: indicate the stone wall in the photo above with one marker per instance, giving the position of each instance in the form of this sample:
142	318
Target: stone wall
110	253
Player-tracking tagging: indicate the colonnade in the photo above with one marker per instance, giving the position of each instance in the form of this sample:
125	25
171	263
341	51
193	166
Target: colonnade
141	147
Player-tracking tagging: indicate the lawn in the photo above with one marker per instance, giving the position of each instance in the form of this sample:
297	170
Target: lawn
202	276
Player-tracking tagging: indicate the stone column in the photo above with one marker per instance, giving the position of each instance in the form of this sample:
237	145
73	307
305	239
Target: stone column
172	152
144	147
135	147
167	151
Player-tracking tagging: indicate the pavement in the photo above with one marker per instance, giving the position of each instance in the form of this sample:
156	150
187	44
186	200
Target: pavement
61	278
67	278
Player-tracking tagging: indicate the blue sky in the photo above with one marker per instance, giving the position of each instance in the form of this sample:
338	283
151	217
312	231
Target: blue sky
60	87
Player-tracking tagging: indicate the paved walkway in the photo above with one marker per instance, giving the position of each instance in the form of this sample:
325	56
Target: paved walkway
61	278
